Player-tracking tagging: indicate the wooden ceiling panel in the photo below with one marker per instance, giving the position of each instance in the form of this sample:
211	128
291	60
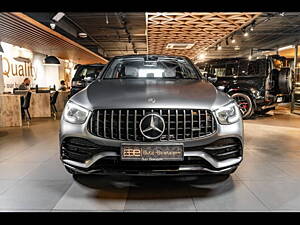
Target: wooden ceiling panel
19	29
202	29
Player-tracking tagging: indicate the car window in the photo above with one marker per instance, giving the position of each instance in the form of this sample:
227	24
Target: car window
218	70
231	69
253	68
243	68
88	72
141	68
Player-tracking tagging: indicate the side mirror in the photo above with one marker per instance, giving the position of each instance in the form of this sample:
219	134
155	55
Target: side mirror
212	78
88	79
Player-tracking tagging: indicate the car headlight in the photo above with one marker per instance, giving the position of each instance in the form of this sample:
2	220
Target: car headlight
228	114
221	88
74	113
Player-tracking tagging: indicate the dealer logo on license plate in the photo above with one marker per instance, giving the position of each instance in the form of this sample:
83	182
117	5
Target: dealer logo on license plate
129	152
146	152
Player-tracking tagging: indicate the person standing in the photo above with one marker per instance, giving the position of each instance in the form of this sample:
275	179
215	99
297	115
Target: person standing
63	86
25	84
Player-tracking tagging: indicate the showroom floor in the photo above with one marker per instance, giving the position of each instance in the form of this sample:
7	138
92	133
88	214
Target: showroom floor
33	179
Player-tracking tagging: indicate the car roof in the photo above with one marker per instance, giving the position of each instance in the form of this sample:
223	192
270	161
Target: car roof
225	60
149	55
96	64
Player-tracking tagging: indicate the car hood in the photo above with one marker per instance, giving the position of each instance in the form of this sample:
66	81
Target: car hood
118	94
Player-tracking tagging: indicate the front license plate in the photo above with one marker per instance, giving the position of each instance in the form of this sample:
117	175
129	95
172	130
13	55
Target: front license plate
147	152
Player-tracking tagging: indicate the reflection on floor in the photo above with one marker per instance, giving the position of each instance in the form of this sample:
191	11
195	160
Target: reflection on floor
33	179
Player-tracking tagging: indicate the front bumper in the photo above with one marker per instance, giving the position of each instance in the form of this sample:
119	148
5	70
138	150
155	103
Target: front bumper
218	153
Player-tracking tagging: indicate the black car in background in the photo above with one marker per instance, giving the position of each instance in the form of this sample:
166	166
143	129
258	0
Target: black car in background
84	75
257	85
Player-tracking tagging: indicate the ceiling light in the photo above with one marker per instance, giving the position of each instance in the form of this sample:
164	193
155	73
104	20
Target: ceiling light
106	17
180	45
51	60
285	47
219	47
245	33
282	14
250	57
52	25
201	56
252	25
58	16
82	35
232	40
236	48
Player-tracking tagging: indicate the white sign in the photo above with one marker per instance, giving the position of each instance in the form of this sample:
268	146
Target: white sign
20	63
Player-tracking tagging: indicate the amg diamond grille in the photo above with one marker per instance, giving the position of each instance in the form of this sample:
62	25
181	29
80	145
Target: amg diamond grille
123	124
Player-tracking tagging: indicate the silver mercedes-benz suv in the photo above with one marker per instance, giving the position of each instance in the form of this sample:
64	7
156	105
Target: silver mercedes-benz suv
151	115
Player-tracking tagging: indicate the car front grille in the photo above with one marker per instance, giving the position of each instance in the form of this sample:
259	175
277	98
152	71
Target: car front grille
123	124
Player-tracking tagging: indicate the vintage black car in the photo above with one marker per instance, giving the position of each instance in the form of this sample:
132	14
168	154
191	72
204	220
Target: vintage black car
84	75
257	85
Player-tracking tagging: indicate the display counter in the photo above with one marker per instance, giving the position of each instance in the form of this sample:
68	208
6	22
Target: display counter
10	107
40	105
10	111
61	101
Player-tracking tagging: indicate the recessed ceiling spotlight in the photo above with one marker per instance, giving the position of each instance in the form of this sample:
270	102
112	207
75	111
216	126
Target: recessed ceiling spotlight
246	34
201	56
52	25
82	35
236	48
232	40
219	47
252	25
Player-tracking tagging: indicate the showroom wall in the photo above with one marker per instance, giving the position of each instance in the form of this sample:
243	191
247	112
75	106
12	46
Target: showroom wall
1	77
19	63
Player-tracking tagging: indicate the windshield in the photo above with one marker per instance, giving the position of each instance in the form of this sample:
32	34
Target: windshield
88	71
155	68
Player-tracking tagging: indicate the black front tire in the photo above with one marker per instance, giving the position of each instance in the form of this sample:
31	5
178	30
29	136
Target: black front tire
245	103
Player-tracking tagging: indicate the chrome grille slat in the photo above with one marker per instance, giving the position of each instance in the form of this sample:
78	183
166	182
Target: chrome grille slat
119	125
184	124
180	124
176	124
91	123
199	122
112	124
104	124
206	122
134	125
127	120
169	119
98	117
192	123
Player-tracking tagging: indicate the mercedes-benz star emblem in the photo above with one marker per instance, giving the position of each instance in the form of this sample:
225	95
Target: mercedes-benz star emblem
151	100
152	126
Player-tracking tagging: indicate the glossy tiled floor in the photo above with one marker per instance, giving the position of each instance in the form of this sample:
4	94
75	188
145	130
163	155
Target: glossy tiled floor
33	179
